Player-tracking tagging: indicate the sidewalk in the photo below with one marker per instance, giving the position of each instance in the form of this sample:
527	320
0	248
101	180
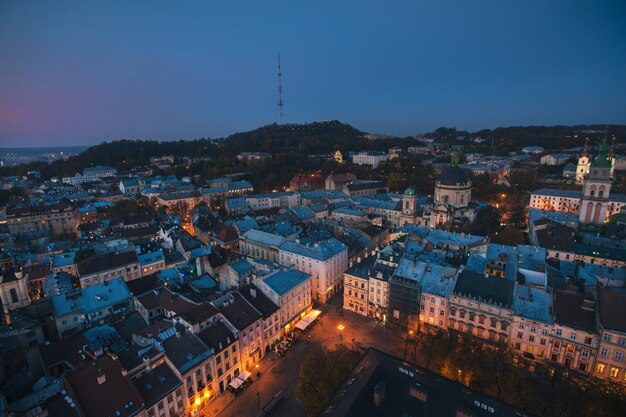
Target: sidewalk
221	403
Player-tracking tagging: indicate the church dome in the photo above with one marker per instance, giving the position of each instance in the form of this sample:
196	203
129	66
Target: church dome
409	191
454	176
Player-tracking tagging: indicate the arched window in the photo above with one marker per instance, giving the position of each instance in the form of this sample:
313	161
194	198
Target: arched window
588	213
596	215
13	293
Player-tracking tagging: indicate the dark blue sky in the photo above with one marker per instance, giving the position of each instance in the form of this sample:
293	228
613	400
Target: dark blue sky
80	72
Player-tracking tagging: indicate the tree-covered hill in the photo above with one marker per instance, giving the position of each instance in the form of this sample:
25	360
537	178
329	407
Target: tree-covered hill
294	142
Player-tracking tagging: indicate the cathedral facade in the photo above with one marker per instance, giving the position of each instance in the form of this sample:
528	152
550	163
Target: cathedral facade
595	203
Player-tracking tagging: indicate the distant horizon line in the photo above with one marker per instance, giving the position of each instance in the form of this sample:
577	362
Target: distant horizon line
305	123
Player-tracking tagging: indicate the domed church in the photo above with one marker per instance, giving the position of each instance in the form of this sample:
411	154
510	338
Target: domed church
452	203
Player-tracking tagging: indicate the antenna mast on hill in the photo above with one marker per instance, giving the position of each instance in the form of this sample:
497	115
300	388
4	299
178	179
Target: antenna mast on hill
280	104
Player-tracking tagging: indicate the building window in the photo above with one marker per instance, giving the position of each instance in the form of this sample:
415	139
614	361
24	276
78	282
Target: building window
604	352
618	356
559	332
600	368
613	372
572	336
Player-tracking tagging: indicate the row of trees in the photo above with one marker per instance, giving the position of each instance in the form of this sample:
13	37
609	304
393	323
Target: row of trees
321	372
550	391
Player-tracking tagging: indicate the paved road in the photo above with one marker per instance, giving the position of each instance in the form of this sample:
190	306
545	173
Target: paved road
281	374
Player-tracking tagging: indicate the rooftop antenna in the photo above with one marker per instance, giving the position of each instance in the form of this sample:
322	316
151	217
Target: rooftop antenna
280	103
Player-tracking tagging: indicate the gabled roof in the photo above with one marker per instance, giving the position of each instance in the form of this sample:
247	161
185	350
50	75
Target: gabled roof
102	390
489	289
239	312
612	308
574	310
98	263
259	300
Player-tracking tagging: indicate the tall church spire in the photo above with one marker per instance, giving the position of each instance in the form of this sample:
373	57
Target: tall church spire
612	149
602	159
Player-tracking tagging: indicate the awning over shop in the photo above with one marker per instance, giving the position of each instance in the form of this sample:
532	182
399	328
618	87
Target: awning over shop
236	383
308	319
244	375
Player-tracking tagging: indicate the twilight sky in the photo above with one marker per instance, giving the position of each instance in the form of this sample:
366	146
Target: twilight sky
81	72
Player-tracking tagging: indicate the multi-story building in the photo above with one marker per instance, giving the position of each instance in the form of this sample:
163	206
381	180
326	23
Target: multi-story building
248	323
64	262
436	284
594	204
287	199
369	158
192	362
83	307
151	262
555	159
101	268
226	359
13	286
290	289
270	311
612	346
161	390
325	261
574	334
58	219
90	175
356	286
532	327
260	244
102	388
482	306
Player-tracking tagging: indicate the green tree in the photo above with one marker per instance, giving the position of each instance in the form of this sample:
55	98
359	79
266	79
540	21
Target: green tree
508	236
487	221
321	372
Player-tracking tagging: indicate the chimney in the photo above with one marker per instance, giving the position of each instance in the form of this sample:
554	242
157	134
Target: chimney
589	305
101	378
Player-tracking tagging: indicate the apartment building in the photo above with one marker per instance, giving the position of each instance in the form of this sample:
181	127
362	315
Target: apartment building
325	261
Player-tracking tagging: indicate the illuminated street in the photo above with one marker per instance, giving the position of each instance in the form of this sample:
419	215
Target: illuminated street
281	374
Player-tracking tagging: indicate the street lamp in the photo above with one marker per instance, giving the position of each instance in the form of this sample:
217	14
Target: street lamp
258	373
340	328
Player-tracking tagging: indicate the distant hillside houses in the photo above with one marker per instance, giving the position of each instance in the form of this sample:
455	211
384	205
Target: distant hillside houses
90	175
555	159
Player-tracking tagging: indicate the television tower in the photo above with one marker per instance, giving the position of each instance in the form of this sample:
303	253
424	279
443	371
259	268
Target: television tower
281	103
